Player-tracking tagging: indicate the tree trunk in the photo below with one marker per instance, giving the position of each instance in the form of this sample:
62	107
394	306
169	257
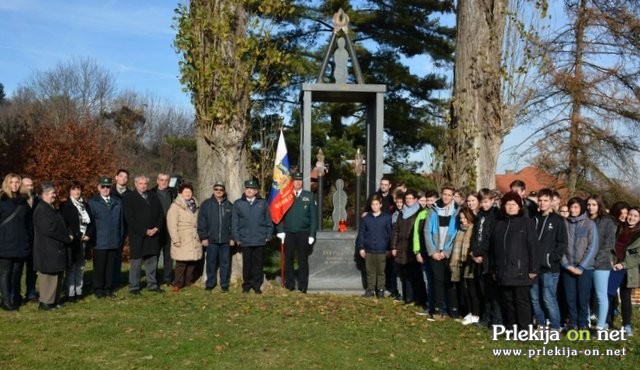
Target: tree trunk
224	157
476	129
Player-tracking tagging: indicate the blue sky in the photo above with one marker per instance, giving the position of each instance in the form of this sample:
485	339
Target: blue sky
131	39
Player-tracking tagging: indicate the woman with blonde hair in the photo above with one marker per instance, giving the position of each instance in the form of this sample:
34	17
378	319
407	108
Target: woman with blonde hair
186	248
15	235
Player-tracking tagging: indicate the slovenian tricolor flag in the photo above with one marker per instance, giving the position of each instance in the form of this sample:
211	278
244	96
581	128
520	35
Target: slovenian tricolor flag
281	197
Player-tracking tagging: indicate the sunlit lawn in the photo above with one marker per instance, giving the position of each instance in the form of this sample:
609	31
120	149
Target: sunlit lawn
279	329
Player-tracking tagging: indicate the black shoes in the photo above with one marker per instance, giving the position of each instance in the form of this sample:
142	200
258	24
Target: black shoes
9	307
258	291
134	292
225	290
380	293
368	294
157	290
48	307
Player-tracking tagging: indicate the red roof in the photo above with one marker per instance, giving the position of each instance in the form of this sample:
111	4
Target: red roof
534	178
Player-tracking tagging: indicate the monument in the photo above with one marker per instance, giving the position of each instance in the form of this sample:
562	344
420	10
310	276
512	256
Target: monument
332	265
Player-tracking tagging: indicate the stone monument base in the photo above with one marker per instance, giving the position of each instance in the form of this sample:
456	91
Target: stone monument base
332	267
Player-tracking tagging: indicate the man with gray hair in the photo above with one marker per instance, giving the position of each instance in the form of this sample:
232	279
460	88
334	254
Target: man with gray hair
144	216
165	195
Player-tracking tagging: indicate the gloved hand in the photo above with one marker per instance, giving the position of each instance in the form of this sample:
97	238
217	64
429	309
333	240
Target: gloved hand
311	240
280	236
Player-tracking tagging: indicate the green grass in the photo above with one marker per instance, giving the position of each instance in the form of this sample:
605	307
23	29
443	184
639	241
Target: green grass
196	329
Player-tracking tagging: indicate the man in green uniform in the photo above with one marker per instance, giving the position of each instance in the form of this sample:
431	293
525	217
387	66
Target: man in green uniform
298	232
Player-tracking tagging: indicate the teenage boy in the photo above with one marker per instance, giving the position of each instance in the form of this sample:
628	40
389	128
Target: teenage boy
552	236
439	233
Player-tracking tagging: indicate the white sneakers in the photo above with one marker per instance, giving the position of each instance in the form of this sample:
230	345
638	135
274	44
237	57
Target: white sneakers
470	319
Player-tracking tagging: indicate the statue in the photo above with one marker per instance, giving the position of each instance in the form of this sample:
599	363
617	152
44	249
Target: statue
340	58
339	205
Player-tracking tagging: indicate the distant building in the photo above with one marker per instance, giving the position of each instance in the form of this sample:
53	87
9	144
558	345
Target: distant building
534	178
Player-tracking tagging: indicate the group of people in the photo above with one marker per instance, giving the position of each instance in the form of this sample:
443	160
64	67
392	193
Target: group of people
515	259
163	223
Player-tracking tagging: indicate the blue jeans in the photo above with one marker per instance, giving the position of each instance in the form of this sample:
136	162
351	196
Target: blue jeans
601	283
218	255
546	285
427	276
577	291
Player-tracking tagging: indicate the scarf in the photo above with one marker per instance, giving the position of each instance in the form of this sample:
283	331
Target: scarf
407	212
191	204
83	215
460	251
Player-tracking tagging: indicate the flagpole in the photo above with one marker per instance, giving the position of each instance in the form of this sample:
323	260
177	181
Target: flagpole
281	197
281	264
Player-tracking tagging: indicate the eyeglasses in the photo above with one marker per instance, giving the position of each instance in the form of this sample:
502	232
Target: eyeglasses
218	189
104	186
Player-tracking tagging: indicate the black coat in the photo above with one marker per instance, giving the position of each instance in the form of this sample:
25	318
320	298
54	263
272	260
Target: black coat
552	240
214	220
15	234
51	234
142	215
514	251
482	228
71	218
164	233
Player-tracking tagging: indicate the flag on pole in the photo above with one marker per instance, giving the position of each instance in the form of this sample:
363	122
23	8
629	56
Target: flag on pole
281	197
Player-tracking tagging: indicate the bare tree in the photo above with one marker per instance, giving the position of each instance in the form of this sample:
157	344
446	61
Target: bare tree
78	88
590	98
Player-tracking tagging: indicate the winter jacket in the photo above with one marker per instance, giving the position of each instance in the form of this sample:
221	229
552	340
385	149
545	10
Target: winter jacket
251	224
15	234
71	218
514	251
142	215
419	245
107	227
214	220
606	243
301	216
552	240
374	233
433	225
181	225
483	227
49	243
171	194
582	237
402	239
631	263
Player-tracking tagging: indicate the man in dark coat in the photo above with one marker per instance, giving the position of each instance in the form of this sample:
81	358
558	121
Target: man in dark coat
107	233
144	217
251	229
119	190
214	230
49	249
166	195
298	232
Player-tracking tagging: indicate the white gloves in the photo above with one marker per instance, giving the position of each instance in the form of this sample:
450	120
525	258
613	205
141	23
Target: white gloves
311	240
280	236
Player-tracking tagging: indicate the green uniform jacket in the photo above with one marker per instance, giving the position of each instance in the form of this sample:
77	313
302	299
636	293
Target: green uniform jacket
302	216
631	262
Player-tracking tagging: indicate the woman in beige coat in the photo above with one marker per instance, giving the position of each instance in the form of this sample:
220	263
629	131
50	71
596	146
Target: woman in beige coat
186	248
